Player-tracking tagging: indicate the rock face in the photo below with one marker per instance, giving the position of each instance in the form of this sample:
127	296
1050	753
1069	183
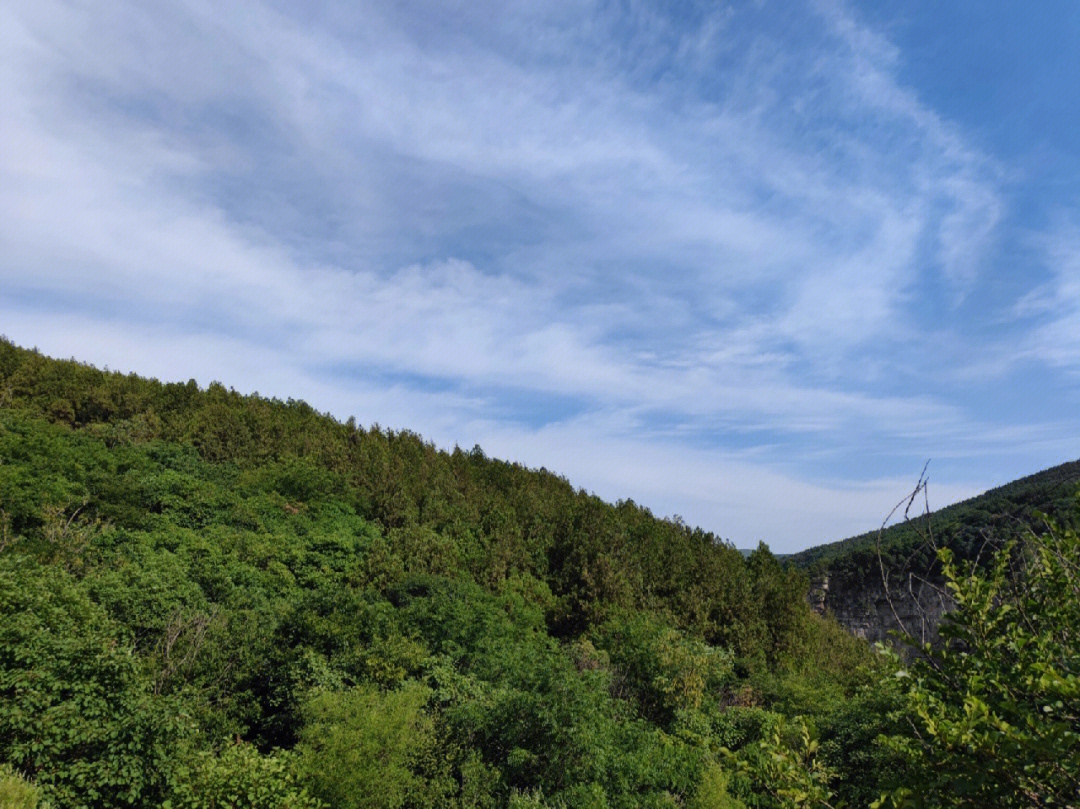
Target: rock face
870	610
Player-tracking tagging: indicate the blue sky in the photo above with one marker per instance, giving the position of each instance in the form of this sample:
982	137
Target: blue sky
751	263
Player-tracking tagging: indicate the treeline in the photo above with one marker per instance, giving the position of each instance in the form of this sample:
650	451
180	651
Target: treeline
448	513
217	600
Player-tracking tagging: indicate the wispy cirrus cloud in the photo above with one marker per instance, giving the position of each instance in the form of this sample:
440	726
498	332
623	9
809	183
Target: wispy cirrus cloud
1054	305
582	234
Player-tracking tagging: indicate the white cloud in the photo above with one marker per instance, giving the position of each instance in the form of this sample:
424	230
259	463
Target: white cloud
1055	305
243	194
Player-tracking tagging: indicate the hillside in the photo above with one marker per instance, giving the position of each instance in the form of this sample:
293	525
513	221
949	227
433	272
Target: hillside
963	527
212	588
211	600
457	512
848	577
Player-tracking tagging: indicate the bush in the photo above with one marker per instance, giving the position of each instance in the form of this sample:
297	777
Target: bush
364	748
785	770
997	706
240	776
15	791
74	705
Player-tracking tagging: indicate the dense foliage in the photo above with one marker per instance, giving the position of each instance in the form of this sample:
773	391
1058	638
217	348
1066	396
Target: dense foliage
996	708
209	599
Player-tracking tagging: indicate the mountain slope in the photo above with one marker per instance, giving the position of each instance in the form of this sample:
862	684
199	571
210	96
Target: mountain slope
497	517
963	526
209	594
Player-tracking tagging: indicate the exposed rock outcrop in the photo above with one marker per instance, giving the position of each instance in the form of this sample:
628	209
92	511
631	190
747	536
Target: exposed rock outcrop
870	610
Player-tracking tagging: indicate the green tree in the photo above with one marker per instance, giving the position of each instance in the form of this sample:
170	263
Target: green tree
785	770
75	708
364	748
239	776
660	669
995	710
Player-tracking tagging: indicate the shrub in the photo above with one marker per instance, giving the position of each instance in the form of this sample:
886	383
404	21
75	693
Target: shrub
363	747
15	791
75	709
240	776
997	706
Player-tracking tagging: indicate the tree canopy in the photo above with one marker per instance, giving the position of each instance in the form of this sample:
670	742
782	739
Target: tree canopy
210	599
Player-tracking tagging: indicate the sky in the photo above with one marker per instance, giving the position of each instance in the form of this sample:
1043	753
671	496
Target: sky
749	263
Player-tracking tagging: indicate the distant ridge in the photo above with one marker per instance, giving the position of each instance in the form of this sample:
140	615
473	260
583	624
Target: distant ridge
963	526
899	589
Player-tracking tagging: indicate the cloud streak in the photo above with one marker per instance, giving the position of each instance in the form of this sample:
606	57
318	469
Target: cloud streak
590	237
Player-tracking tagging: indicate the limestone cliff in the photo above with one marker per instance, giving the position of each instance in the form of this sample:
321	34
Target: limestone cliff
870	610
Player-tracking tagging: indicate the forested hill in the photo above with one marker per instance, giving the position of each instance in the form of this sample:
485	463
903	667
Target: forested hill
205	594
1000	513
446	513
210	600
